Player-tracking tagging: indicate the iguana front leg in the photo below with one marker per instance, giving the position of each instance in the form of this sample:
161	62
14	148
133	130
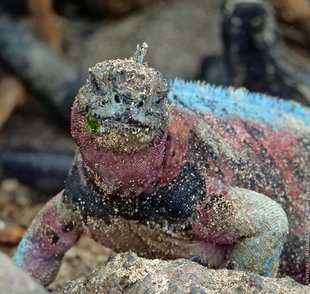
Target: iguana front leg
252	224
51	234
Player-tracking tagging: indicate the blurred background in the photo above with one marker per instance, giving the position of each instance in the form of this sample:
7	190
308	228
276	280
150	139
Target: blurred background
47	46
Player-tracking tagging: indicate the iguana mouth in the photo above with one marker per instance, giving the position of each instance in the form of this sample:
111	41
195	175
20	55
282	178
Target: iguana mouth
96	123
133	127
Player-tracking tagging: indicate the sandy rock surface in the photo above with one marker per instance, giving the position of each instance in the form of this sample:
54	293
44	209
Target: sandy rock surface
128	273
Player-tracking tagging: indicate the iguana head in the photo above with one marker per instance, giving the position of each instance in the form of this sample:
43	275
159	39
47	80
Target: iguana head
123	104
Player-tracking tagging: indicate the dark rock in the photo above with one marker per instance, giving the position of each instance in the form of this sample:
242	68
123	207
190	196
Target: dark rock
145	276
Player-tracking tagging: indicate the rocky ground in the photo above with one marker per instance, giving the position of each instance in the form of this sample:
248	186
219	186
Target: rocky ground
128	273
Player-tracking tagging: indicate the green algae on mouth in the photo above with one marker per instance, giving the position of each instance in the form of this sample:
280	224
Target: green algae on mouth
92	124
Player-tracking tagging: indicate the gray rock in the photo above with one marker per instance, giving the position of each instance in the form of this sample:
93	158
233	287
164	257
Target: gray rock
13	280
129	274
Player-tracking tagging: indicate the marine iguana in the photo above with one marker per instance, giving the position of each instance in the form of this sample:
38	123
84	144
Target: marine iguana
255	55
174	169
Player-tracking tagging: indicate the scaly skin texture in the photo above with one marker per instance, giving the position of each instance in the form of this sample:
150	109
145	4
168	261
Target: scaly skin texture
168	182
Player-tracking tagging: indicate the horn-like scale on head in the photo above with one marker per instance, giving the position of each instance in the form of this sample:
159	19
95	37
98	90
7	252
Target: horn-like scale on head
141	51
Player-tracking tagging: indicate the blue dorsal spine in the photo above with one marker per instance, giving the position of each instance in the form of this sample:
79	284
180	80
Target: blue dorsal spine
238	102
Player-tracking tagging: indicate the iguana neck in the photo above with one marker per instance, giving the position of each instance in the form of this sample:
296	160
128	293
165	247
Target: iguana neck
124	173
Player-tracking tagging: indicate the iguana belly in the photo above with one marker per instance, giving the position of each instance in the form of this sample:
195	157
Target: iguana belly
153	240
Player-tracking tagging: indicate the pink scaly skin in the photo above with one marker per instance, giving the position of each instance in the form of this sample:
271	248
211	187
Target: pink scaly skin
169	183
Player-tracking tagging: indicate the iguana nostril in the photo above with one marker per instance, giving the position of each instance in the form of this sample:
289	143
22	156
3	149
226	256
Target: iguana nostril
117	99
140	104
